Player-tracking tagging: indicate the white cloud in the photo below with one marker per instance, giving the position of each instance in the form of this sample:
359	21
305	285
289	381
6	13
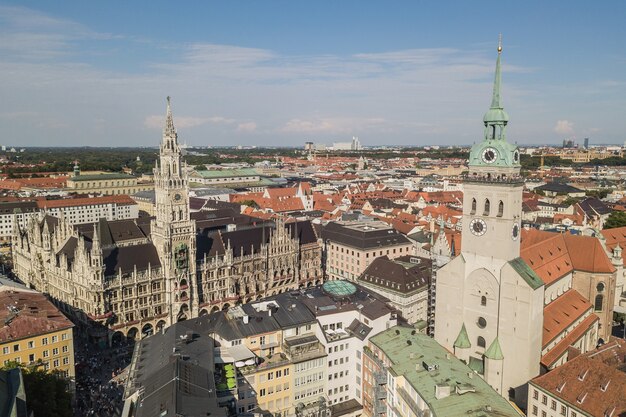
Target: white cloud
564	127
246	127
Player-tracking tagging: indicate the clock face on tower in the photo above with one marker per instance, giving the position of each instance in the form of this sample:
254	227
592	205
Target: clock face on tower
478	227
177	197
515	232
490	155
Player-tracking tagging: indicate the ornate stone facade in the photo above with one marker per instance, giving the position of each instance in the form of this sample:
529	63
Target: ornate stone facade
136	276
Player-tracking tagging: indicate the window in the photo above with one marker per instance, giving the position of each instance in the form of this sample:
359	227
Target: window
500	209
5	350
64	349
55	339
544	400
483	301
487	207
55	363
543	414
599	301
536	395
31	344
481	342
534	410
46	353
563	410
16	348
31	357
262	392
473	206
600	286
55	351
66	361
553	405
482	323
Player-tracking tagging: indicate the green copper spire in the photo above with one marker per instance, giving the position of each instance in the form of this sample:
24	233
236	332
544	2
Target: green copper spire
496	118
495	351
495	98
494	156
462	340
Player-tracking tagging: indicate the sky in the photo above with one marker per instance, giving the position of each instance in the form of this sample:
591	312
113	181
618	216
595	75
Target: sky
280	73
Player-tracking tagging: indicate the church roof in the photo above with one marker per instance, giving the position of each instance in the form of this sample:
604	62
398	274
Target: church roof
554	255
562	313
462	340
494	351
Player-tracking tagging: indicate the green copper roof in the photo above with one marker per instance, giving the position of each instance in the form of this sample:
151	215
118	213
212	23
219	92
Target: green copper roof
339	288
227	173
462	340
409	355
102	177
495	351
522	268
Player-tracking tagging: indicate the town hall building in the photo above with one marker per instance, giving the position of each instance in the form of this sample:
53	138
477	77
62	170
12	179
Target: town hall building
136	276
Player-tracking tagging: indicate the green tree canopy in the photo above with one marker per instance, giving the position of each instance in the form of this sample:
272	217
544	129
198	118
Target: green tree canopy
616	219
46	392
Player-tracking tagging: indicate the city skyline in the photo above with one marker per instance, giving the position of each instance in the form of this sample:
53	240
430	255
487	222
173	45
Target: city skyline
279	74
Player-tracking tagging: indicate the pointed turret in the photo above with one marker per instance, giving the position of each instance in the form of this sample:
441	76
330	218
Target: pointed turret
462	340
494	351
169	130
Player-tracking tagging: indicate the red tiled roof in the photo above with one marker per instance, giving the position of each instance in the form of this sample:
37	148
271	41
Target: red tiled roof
572	337
591	382
561	313
36	315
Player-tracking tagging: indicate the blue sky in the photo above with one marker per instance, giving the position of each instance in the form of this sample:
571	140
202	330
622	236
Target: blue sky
286	72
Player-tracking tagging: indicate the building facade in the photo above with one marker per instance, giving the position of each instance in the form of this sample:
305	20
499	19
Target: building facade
350	247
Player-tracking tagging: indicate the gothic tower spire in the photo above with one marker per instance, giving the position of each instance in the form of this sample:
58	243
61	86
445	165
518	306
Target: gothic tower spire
494	156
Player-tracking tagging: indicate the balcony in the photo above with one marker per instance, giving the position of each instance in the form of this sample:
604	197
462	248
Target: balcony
302	348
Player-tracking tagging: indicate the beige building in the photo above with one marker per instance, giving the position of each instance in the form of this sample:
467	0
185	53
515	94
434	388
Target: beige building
106	184
352	246
35	332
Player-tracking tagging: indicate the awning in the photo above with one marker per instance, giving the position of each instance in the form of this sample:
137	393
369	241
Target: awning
233	354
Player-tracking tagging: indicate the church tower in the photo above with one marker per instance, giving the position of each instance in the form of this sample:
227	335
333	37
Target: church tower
492	193
173	231
489	303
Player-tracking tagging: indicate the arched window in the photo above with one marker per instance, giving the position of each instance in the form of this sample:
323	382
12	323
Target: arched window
481	342
487	207
500	209
599	301
473	206
600	286
483	301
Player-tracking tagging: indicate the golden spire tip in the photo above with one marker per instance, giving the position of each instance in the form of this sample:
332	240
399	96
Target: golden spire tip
500	43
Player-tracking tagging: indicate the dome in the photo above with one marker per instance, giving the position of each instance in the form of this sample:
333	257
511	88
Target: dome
496	115
339	288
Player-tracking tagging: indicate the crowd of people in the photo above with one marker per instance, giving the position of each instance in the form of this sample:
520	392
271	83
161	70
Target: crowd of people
99	371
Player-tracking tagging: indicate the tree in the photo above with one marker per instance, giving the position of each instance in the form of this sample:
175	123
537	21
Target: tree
615	219
46	392
200	168
249	203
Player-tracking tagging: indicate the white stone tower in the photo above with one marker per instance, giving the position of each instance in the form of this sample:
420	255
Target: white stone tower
173	232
